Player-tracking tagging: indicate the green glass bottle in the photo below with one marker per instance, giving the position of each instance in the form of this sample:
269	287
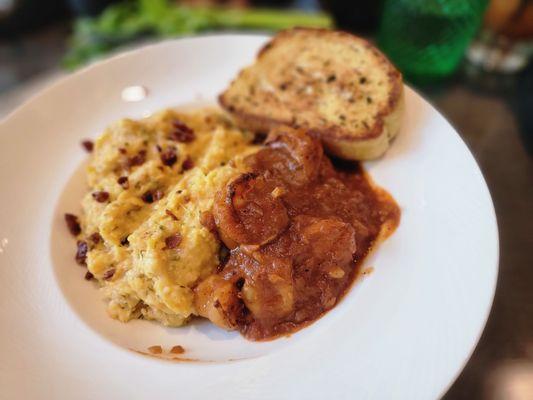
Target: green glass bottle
427	39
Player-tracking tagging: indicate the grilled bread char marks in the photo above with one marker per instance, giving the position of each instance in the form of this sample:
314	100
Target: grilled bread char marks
335	84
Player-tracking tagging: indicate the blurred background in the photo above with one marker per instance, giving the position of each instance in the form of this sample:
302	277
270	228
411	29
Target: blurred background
470	58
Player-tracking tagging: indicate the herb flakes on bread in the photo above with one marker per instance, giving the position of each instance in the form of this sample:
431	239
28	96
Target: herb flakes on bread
333	83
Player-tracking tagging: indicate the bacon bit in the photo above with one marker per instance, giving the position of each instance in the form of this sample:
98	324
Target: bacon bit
73	224
171	215
88	145
95	238
148	197
177	350
208	221
188	163
138	159
169	157
89	276
181	133
81	253
173	241
155	349
109	274
101	197
123	181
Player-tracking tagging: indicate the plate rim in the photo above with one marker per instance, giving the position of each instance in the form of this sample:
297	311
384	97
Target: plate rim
132	52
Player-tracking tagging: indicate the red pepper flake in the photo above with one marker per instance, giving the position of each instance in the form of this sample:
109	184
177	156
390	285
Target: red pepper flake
138	159
181	132
158	148
177	350
188	163
122	150
73	224
173	241
88	145
95	238
81	253
101	196
109	274
88	276
171	215
169	157
123	181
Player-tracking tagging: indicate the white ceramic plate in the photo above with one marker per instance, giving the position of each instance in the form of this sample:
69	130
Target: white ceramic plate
403	332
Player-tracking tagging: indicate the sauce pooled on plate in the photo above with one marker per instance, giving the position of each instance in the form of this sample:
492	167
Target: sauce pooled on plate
298	227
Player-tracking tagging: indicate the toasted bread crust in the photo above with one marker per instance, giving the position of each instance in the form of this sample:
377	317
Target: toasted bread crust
373	139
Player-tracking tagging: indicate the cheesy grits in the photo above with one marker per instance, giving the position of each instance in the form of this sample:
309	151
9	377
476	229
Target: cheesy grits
143	236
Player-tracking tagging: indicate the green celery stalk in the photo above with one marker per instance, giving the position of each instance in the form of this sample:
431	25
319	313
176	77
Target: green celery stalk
124	22
267	19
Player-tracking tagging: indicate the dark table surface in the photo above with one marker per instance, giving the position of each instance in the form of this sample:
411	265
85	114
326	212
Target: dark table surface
494	115
497	126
